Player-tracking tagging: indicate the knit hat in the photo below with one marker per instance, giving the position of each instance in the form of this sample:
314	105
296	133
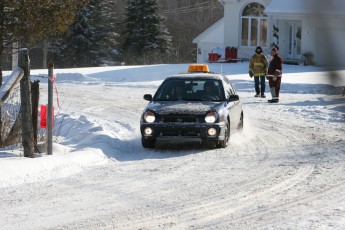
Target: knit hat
258	48
275	48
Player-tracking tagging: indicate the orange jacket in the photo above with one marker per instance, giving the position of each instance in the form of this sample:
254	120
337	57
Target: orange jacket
258	64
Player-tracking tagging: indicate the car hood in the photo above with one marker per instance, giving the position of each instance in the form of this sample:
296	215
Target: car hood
183	107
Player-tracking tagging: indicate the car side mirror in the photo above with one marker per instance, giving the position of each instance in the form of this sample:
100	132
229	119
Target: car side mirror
233	97
148	97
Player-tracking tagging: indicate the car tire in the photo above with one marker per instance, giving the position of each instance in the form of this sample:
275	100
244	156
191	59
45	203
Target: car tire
224	143
148	144
240	125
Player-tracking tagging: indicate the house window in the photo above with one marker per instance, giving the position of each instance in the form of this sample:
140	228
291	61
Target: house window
254	25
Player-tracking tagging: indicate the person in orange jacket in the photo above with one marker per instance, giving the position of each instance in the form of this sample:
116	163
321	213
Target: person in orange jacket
258	69
274	74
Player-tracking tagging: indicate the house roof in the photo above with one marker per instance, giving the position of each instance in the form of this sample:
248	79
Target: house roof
214	34
325	7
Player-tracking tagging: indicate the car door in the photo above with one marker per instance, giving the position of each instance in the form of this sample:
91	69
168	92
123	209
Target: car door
237	106
233	107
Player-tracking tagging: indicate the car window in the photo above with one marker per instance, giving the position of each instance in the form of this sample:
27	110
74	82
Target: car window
228	88
190	90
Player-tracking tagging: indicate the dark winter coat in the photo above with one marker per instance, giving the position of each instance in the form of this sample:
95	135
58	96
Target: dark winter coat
275	67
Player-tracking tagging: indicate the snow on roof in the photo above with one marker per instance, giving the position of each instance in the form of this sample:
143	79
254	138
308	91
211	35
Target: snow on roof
330	7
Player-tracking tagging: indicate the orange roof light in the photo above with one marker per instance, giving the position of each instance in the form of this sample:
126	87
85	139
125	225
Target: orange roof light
198	68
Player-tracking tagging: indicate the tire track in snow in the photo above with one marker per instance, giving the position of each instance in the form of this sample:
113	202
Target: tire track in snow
329	195
210	211
240	208
294	137
275	174
222	204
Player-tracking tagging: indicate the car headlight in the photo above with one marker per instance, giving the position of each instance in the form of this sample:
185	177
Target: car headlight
149	117
211	117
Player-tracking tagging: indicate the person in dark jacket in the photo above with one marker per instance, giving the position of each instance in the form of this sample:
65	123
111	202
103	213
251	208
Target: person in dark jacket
274	74
179	91
258	68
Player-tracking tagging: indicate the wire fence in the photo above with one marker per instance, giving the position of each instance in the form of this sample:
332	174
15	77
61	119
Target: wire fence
10	118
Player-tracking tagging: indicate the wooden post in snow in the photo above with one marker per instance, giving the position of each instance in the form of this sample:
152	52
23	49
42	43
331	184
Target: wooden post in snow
26	109
35	94
50	109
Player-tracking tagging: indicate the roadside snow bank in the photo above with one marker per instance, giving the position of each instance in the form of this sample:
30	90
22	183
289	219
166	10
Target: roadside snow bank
64	162
21	170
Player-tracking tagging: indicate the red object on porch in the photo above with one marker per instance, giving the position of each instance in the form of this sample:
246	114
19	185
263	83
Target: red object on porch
43	117
213	57
231	53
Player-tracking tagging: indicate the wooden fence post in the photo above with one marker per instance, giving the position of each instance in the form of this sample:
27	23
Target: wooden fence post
26	109
35	93
50	109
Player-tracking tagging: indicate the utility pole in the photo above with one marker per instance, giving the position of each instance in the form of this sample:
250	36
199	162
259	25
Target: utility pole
50	109
26	108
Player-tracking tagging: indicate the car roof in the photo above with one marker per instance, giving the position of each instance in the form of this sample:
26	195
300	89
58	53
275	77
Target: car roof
191	76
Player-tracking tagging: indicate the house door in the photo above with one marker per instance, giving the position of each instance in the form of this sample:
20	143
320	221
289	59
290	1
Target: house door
294	37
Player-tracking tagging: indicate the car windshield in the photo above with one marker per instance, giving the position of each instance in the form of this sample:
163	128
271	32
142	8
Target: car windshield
190	90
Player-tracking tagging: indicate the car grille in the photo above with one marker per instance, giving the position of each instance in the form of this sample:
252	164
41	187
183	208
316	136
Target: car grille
179	119
177	125
178	132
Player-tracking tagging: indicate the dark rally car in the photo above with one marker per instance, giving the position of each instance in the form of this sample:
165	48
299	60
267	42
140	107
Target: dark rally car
198	105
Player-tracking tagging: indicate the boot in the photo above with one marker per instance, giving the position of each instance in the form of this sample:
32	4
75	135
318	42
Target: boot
273	101
263	92
257	90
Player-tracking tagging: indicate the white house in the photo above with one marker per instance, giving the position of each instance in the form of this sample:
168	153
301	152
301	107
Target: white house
298	27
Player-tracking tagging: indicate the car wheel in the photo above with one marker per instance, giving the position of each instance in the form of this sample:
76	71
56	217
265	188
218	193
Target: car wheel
148	144
240	125
224	143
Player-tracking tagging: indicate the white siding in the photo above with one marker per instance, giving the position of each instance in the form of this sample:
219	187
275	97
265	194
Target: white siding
323	28
209	41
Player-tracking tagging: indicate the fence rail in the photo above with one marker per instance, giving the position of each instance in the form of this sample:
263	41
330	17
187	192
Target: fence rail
10	84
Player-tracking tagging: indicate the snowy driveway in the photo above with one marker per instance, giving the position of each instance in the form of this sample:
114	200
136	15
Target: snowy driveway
285	171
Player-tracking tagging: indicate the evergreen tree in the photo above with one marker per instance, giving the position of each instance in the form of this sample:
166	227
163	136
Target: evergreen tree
32	21
93	37
144	33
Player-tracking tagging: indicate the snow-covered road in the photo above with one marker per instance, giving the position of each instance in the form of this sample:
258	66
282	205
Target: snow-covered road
285	171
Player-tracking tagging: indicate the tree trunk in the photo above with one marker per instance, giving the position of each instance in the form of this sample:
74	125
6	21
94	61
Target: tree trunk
2	22
44	53
14	55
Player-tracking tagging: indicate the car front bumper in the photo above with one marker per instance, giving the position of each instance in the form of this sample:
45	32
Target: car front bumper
183	131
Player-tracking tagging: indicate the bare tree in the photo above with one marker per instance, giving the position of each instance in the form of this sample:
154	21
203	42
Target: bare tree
186	19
